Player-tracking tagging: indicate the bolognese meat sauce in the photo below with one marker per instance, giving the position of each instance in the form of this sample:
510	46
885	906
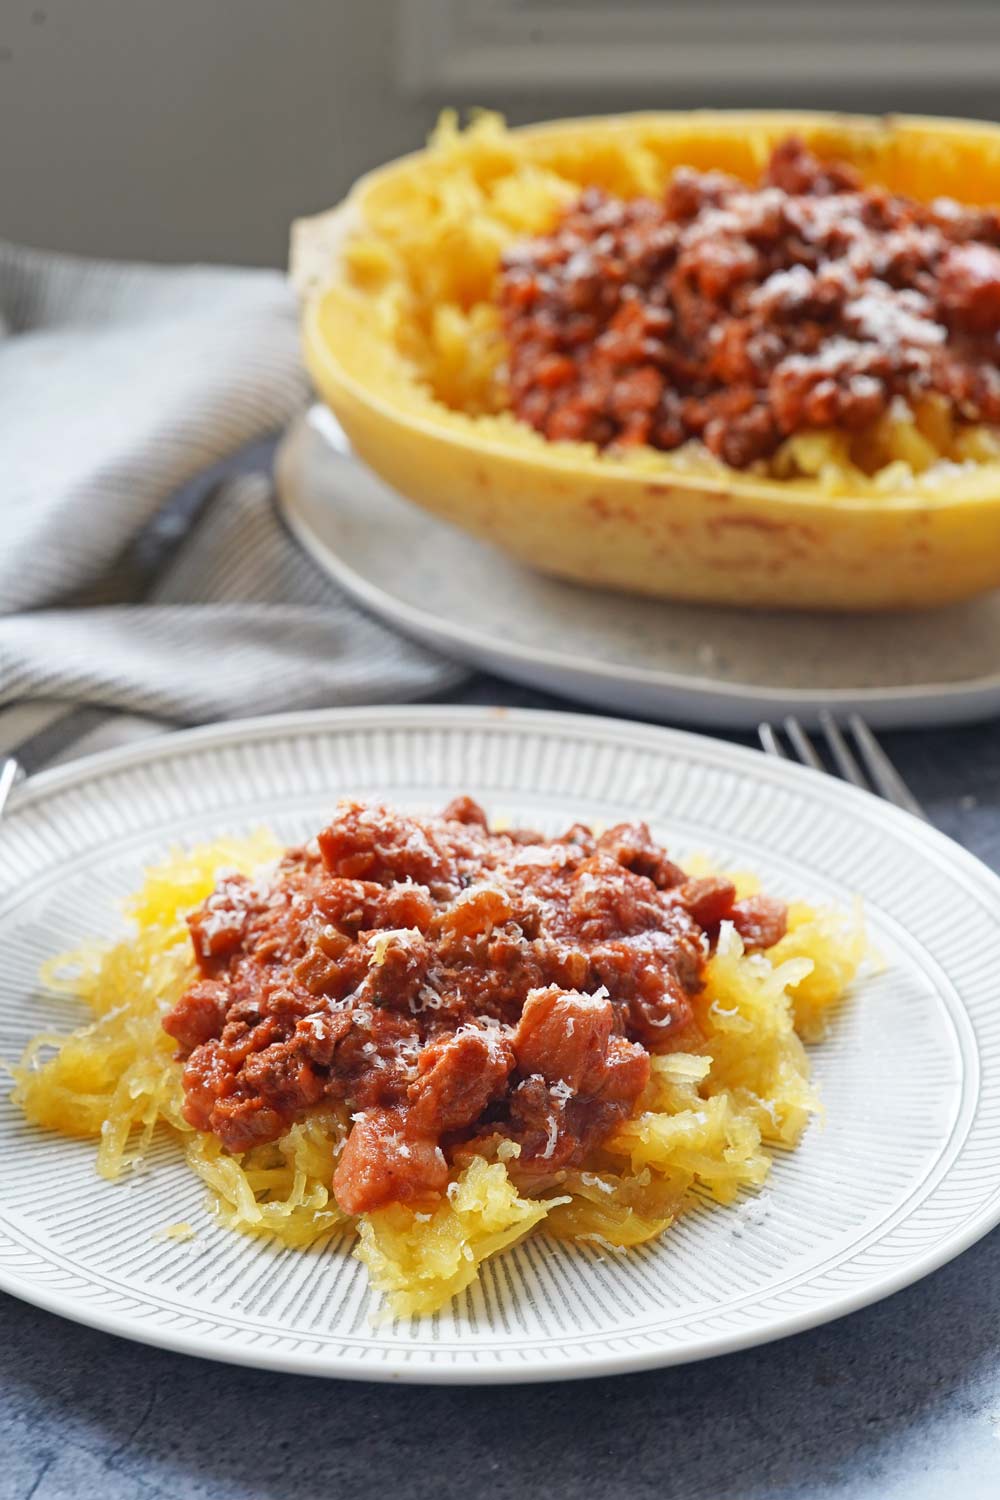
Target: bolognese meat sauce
740	315
449	985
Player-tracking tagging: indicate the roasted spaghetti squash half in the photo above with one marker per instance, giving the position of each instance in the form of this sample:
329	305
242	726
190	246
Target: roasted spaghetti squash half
405	340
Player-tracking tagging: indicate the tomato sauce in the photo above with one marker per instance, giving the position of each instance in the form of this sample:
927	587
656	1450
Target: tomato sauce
450	985
740	315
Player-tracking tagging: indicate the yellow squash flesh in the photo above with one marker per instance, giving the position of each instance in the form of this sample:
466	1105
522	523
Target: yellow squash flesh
658	524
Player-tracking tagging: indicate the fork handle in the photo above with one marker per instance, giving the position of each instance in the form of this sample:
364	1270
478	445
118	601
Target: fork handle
9	772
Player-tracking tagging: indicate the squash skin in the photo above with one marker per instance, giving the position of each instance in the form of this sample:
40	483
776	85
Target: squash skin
723	538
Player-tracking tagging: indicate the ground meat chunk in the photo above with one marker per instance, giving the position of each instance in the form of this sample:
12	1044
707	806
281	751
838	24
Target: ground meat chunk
708	900
564	1038
465	810
609	900
457	1077
633	846
398	960
739	315
970	287
760	920
199	1015
796	171
217	927
382	1162
364	846
477	911
557	1126
353	906
627	1074
654	980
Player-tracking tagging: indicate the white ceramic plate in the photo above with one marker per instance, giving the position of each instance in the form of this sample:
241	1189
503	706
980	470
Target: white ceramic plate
904	1174
666	661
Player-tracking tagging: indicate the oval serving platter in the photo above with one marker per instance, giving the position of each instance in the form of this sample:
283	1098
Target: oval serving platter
694	663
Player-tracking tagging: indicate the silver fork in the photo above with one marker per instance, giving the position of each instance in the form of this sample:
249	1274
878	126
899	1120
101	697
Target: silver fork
879	775
35	752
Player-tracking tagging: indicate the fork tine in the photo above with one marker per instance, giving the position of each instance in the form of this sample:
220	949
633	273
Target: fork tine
770	742
802	744
881	769
885	779
846	763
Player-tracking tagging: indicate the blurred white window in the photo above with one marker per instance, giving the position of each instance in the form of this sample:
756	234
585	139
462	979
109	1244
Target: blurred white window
690	48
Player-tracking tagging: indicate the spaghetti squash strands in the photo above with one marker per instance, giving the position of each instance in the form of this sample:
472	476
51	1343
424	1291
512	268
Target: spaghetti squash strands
704	1120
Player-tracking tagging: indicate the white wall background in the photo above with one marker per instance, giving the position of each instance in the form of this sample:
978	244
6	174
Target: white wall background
197	129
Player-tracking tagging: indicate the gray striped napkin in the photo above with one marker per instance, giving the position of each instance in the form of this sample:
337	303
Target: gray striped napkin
124	582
